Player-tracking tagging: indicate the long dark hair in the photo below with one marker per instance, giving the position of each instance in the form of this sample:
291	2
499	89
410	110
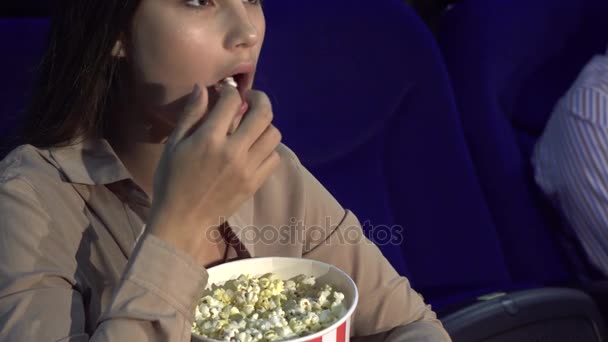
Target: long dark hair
78	72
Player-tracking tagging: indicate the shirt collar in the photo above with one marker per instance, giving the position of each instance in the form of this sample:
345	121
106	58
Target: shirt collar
90	162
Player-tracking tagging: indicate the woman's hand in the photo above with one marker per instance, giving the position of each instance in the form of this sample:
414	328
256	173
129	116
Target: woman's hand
206	174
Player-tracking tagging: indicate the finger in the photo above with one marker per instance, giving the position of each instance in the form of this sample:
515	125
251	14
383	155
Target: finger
256	120
194	110
266	143
235	124
221	115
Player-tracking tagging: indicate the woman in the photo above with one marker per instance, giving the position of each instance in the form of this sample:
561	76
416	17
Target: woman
133	182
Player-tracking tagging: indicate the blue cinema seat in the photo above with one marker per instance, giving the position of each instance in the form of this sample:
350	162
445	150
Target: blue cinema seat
510	61
361	93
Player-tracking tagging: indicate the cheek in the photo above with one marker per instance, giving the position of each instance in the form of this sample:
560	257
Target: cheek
260	21
168	58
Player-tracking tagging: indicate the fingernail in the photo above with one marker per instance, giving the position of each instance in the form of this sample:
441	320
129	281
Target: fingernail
196	93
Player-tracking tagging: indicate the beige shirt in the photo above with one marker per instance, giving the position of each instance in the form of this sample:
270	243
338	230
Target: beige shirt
72	267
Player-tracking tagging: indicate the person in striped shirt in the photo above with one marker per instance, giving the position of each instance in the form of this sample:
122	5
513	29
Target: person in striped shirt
571	160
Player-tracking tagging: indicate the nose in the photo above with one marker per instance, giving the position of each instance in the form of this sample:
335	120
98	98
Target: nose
242	32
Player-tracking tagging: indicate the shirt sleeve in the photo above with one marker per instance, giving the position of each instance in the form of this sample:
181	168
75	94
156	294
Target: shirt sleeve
571	166
42	300
388	307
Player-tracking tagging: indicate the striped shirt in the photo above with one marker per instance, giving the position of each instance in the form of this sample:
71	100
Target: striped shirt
571	160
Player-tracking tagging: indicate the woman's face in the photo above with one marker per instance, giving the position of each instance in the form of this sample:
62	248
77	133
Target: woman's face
177	43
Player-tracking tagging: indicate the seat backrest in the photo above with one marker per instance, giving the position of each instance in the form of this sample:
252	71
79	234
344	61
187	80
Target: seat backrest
546	314
361	94
510	61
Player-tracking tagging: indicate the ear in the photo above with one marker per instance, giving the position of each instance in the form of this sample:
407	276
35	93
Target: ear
119	49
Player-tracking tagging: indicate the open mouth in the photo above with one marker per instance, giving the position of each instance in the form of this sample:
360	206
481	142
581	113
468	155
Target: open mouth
241	81
238	81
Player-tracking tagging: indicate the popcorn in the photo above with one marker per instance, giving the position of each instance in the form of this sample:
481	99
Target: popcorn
266	308
230	81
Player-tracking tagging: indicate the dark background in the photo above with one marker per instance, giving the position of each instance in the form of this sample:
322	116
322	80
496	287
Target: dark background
12	8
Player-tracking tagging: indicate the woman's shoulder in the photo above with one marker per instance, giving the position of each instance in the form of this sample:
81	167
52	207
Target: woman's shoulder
28	170
287	173
287	153
37	210
24	176
30	164
35	196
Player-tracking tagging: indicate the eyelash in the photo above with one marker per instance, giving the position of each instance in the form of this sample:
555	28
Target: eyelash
190	3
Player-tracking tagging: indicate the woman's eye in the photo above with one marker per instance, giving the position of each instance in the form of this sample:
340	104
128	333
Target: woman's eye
203	3
198	3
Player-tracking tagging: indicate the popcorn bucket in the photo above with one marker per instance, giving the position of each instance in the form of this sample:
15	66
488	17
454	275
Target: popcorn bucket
286	268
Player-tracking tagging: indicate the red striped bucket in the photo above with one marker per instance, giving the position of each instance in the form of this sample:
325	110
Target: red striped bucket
287	268
341	333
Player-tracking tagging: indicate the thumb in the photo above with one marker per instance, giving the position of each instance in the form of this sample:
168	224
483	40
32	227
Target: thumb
194	110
